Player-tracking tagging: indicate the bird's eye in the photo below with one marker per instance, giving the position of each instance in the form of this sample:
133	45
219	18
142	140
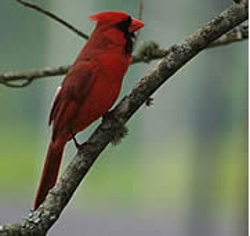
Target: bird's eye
124	25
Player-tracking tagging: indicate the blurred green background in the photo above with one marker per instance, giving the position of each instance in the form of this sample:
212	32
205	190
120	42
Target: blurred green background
183	167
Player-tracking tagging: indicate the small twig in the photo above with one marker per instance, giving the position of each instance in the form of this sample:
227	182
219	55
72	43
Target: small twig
237	34
10	79
147	52
140	13
54	17
26	82
141	8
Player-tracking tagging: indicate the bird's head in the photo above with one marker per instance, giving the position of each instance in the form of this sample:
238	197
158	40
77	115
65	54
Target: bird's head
117	19
118	26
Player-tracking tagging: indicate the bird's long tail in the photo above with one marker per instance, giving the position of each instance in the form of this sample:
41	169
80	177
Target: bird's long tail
50	172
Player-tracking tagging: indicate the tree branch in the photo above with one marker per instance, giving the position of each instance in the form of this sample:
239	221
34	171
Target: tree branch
54	17
38	222
237	34
10	79
147	52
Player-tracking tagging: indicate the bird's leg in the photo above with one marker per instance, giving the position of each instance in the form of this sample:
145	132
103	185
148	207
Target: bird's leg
77	144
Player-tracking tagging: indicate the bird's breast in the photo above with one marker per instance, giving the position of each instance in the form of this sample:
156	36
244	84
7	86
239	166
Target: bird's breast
105	90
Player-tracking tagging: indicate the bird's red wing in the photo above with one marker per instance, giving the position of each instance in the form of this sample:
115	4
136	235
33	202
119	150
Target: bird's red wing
72	93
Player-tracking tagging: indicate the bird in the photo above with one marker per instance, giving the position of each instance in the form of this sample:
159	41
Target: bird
89	89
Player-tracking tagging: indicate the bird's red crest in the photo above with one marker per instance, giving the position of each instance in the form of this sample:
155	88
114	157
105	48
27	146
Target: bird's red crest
109	16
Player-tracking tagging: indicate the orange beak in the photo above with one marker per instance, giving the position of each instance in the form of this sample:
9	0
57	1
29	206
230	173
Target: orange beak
135	25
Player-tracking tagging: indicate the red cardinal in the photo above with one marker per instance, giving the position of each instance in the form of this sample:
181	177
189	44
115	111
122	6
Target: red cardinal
90	88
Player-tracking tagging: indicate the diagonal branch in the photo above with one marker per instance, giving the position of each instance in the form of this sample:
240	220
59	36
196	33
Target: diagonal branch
40	221
54	17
